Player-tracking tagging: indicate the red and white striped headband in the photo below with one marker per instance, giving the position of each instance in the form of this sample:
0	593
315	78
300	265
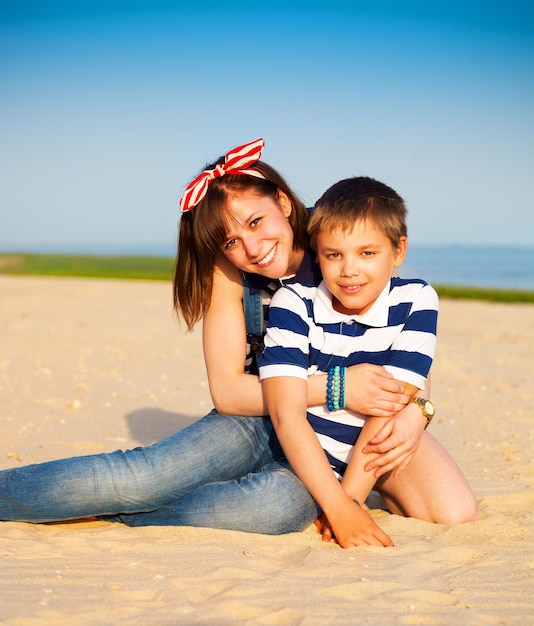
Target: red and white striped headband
237	161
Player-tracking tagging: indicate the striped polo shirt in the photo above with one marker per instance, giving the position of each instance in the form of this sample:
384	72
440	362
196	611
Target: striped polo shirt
306	336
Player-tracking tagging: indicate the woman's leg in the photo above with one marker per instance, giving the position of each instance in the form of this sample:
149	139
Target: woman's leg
272	501
216	448
432	487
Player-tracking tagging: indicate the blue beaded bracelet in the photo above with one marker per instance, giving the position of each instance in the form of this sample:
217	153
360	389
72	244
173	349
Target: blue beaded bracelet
329	387
335	388
335	394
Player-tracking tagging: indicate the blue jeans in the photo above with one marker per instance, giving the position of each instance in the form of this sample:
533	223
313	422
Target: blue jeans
223	471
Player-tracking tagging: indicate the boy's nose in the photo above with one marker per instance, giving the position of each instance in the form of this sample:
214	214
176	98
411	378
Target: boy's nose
350	269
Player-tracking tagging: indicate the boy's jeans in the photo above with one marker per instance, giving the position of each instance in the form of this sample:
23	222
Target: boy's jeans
223	471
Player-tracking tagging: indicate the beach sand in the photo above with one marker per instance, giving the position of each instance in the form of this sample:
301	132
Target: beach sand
92	365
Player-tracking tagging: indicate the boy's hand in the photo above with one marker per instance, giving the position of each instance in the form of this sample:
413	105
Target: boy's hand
354	527
396	442
323	527
372	390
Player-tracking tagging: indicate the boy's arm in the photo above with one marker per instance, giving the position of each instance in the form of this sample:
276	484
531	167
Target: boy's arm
287	400
394	445
410	355
358	480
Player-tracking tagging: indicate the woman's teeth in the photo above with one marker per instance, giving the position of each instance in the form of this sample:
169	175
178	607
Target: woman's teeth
268	258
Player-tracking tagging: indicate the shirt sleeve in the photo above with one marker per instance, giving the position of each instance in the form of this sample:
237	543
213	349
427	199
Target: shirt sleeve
412	351
286	351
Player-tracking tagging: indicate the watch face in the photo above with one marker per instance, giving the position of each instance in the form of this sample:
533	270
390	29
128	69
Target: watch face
429	408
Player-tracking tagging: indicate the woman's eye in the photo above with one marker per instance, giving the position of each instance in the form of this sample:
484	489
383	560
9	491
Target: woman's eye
229	244
255	222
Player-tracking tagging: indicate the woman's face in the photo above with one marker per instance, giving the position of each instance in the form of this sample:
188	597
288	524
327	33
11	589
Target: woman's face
259	236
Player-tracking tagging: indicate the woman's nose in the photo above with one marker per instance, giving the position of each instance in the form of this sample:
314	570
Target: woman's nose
252	246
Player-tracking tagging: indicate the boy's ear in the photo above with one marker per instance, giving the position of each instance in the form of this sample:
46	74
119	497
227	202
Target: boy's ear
285	203
402	249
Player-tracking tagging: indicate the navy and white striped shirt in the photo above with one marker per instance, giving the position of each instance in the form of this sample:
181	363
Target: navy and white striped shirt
306	336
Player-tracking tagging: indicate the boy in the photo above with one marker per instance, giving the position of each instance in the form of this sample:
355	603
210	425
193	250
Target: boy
360	313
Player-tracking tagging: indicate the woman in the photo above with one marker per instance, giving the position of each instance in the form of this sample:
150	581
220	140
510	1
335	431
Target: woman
241	226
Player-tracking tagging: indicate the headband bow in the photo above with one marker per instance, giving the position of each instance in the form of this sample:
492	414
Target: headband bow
237	161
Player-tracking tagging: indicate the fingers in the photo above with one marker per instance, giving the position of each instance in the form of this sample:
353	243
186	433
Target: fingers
400	468
391	454
386	540
327	534
395	466
383	446
373	537
377	538
324	528
387	404
381	436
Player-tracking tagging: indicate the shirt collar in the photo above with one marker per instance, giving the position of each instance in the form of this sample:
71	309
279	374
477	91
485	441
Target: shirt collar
324	312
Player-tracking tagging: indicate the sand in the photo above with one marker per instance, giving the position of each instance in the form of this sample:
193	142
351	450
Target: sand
91	365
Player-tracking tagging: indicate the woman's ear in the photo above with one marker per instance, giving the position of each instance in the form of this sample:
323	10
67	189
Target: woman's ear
285	203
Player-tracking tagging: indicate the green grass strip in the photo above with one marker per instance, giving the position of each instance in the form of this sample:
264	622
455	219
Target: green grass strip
160	268
94	266
483	293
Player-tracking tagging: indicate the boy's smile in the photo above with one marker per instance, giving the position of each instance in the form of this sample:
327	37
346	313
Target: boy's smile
357	265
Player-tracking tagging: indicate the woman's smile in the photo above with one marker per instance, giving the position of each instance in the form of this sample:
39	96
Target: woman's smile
259	237
268	258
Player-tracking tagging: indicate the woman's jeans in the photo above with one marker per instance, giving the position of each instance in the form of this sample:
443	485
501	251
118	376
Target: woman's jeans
223	471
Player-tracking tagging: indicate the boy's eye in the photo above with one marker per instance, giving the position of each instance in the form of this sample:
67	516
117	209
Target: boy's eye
333	255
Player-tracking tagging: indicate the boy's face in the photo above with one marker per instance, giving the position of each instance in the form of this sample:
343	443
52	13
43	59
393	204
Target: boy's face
357	265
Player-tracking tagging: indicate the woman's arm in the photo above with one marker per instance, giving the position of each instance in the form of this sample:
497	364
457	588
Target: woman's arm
224	341
287	399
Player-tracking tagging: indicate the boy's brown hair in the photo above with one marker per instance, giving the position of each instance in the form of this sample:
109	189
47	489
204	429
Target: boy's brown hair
359	199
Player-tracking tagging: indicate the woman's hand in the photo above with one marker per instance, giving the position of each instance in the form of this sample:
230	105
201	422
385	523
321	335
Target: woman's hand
353	527
396	442
372	390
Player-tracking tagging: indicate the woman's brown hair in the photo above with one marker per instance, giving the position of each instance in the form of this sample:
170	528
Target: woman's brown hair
202	232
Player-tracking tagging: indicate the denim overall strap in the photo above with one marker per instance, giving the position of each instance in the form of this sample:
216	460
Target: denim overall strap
253	309
254	323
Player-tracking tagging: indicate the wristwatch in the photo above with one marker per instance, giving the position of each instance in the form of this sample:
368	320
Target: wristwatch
426	407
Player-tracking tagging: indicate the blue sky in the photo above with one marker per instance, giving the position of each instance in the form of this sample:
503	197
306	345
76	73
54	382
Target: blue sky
109	108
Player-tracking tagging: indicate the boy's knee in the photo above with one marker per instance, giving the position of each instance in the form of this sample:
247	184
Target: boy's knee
469	514
465	511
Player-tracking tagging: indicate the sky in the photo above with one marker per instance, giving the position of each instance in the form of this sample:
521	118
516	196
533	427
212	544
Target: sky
108	109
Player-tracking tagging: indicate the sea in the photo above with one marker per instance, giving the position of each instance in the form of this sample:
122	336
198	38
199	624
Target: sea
499	267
